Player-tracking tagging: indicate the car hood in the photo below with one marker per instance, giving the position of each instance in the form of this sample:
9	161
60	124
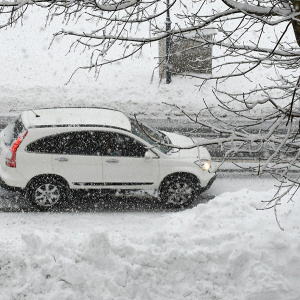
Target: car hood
184	141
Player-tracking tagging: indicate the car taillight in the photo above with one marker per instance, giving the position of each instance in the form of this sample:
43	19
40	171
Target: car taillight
11	156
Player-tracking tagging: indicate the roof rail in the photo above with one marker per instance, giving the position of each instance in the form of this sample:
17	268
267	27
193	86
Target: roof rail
79	125
59	107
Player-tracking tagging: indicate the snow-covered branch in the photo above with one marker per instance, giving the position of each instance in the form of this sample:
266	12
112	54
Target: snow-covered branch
256	9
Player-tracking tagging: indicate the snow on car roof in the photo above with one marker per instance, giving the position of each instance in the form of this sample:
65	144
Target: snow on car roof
76	116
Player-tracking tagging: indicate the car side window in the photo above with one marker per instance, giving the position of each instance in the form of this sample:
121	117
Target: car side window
83	143
70	143
89	143
123	145
50	144
106	144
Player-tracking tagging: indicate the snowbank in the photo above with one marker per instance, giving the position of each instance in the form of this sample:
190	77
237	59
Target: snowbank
225	249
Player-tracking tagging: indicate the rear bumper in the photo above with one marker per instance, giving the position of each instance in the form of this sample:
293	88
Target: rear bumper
7	187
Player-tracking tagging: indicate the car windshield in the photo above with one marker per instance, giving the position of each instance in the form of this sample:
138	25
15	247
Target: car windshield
150	135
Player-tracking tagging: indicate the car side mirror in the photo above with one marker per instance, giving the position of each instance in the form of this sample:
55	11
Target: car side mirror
150	154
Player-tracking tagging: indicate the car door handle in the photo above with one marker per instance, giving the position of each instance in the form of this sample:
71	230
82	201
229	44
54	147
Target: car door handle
112	161
62	159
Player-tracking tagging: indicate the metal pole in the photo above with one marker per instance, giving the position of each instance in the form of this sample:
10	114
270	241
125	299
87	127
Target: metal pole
168	46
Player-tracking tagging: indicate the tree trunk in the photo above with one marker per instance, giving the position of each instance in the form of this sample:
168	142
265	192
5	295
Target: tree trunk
296	23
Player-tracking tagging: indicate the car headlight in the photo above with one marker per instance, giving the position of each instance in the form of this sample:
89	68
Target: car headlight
204	164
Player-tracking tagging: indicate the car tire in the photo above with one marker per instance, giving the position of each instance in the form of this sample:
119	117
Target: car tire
179	191
47	192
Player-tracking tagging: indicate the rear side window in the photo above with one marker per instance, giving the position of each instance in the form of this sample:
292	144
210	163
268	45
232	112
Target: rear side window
123	145
55	144
13	130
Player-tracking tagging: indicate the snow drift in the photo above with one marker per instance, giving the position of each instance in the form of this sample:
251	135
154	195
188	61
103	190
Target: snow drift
225	249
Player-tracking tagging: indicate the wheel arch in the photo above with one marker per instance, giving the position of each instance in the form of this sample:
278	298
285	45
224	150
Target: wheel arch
174	176
47	176
61	193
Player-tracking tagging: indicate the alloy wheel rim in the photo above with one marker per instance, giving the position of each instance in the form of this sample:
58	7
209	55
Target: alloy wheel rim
180	193
47	195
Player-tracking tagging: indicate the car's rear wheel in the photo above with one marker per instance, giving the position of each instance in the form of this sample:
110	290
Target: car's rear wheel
179	191
47	192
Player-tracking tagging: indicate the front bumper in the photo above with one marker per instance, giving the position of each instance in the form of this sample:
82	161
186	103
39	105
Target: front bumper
203	189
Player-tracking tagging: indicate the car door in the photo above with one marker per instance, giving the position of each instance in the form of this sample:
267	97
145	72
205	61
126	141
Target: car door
125	165
77	158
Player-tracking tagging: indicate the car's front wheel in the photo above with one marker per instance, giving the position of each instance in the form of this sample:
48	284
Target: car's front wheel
179	191
47	192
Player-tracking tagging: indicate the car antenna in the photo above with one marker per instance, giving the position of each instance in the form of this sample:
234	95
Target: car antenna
36	115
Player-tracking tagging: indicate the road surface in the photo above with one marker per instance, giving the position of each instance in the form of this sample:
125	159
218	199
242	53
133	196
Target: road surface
138	201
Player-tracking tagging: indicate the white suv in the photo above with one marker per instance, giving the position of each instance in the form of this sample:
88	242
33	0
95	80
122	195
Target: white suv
47	152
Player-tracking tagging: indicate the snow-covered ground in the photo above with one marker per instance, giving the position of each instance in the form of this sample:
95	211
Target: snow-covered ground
222	249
